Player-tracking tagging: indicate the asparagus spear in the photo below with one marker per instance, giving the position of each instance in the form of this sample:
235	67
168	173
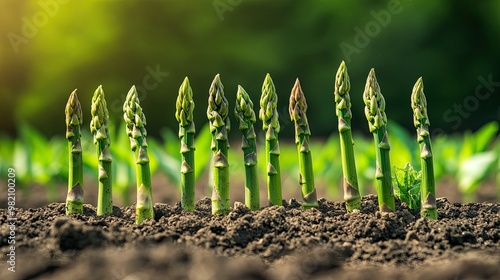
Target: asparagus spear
99	128
297	110
184	115
270	123
217	114
246	117
343	111
74	120
136	130
377	121
421	122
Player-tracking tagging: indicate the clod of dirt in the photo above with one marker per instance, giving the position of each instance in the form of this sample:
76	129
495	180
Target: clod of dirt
70	234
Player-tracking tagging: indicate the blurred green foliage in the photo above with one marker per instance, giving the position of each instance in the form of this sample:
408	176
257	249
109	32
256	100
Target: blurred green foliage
44	160
154	44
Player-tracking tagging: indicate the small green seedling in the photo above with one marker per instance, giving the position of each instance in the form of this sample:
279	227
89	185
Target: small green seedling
407	185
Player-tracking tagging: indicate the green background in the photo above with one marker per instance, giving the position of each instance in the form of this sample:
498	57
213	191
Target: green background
82	44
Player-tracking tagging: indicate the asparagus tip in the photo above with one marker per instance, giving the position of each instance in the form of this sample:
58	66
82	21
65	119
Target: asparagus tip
73	96
184	105
419	104
185	84
419	85
298	105
73	110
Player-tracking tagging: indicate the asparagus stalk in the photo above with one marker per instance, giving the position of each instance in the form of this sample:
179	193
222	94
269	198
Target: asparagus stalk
74	120
99	128
184	115
246	117
421	122
377	122
136	130
343	111
269	115
297	110
217	114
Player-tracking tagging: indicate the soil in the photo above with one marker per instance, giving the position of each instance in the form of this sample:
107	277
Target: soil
279	242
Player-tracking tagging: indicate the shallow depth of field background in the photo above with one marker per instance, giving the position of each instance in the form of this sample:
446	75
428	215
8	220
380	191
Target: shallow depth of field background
50	47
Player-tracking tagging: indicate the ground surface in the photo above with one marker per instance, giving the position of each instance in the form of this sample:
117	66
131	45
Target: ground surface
274	243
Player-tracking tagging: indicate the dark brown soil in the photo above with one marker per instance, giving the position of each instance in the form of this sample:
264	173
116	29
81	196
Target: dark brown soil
273	243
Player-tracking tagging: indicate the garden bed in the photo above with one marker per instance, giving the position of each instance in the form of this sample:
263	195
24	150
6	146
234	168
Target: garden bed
273	243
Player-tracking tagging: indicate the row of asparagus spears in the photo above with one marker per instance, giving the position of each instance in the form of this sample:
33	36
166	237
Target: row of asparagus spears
217	113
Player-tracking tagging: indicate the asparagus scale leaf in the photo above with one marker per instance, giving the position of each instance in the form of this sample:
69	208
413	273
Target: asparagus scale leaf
136	130
297	110
99	129
184	115
421	122
343	112
246	117
217	114
377	122
270	123
74	120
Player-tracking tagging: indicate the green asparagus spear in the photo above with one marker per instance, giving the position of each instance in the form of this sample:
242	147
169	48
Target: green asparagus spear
377	121
269	115
74	121
99	128
421	122
184	115
136	130
217	114
246	117
297	110
343	111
